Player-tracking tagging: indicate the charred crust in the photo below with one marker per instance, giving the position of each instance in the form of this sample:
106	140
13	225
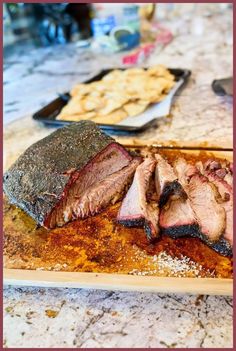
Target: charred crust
42	168
151	237
138	222
222	246
171	188
182	230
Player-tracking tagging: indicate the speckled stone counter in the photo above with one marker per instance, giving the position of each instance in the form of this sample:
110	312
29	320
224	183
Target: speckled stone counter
35	317
198	116
81	318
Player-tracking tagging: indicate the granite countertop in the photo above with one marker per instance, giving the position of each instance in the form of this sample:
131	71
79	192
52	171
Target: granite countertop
37	317
198	116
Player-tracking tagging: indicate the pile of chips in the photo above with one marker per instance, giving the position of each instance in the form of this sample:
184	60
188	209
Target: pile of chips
118	95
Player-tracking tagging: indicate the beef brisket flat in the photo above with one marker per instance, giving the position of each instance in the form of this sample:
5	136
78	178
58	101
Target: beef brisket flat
95	198
166	181
135	210
44	174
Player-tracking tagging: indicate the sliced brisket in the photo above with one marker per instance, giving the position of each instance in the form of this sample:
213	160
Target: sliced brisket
223	169
135	210
211	165
176	215
218	177
202	215
184	171
46	174
228	178
166	182
95	198
226	193
204	199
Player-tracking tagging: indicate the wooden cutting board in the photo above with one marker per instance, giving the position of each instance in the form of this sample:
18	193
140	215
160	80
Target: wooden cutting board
176	144
120	282
101	254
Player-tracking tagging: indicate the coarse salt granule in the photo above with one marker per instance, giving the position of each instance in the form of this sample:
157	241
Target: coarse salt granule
165	265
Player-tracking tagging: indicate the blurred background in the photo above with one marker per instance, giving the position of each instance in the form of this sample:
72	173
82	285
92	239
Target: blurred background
111	27
36	25
50	47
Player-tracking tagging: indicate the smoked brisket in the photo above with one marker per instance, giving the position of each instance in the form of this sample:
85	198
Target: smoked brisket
43	176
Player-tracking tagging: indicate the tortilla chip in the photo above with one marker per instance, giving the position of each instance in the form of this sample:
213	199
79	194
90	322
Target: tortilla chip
112	118
134	72
76	117
135	108
74	106
80	89
165	82
158	70
91	103
113	102
114	75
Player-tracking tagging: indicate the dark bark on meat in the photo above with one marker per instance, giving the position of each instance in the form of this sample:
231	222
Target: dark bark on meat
166	182
41	176
222	246
182	230
171	189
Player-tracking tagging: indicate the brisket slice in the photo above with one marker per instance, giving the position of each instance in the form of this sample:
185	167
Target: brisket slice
223	169
135	211
212	165
177	215
43	175
184	171
204	199
177	218
228	178
226	193
217	177
95	198
199	216
166	182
